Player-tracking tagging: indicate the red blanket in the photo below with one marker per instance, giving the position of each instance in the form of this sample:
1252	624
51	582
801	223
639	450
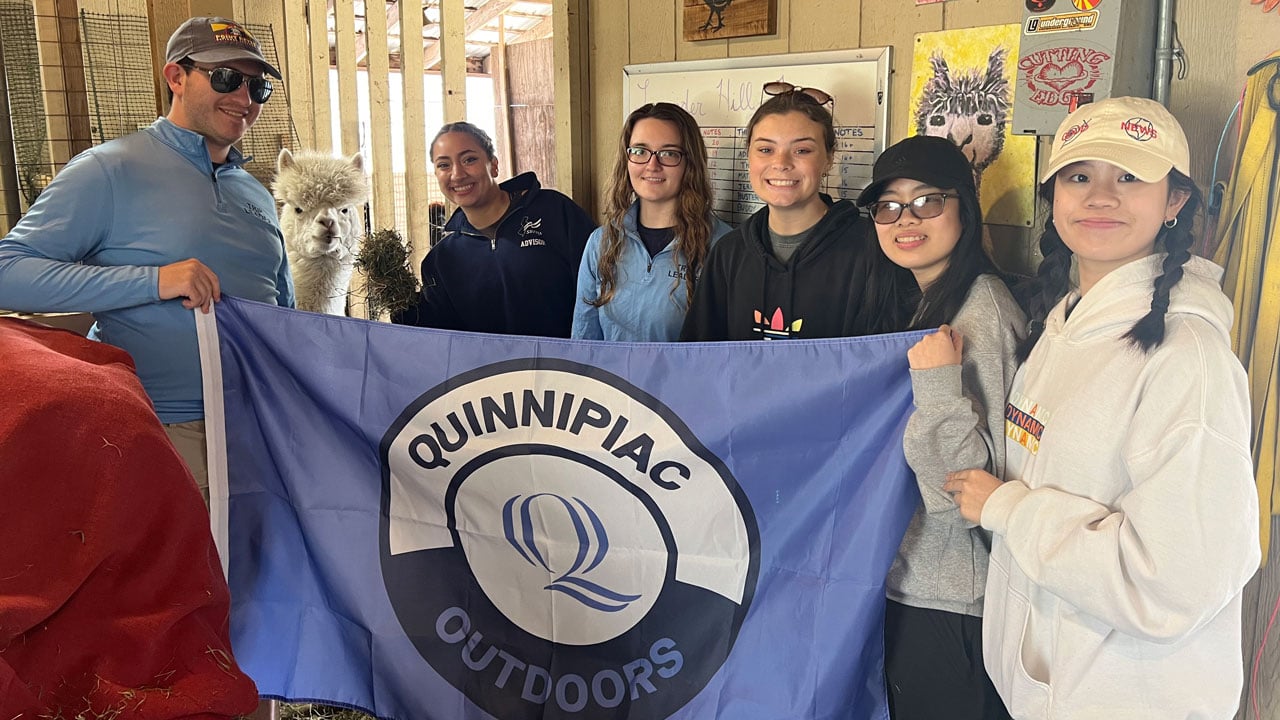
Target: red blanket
112	601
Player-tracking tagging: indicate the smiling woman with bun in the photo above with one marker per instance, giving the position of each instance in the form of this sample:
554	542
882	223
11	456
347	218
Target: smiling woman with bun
509	255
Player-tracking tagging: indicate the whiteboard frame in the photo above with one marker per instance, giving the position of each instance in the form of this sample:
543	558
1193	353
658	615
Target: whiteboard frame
881	56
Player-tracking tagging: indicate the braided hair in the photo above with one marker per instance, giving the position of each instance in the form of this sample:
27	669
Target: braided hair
1053	278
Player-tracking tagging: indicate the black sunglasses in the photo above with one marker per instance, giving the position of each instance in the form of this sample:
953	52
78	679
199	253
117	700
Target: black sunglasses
782	87
887	212
227	80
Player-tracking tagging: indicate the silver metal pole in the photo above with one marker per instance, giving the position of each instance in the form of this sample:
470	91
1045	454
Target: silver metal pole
1164	51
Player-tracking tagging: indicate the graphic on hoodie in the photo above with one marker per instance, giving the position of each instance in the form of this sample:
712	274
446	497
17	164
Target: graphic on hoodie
1024	426
776	328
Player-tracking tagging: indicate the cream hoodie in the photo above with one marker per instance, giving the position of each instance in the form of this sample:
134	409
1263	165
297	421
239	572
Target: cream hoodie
1128	523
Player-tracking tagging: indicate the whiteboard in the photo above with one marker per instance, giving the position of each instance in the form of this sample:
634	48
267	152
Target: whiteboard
722	94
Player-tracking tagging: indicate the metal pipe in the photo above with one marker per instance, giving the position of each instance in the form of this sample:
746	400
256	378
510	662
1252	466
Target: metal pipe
1163	76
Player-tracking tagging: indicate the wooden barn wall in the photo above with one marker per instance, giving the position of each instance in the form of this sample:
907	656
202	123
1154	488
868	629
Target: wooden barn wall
532	99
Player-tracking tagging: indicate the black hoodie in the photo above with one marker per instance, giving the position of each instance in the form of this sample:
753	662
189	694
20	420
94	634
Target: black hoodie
521	282
745	293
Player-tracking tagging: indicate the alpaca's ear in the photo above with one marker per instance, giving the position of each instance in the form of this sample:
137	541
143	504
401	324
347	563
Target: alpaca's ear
357	161
284	160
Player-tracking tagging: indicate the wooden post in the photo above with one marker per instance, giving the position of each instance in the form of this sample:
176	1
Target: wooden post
502	95
453	59
297	71
318	22
573	148
415	131
348	95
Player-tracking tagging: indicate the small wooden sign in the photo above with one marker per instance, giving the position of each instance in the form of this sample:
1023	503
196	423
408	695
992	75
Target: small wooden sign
718	19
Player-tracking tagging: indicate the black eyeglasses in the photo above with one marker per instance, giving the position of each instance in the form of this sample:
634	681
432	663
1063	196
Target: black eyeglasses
666	158
782	87
887	212
227	80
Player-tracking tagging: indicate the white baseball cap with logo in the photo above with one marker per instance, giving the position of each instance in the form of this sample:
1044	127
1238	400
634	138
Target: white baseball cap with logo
1136	134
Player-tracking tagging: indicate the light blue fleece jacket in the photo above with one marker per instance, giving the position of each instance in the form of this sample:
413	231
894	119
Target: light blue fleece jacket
644	307
96	237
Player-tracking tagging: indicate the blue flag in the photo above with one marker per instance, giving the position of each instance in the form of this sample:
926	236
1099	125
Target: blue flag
441	525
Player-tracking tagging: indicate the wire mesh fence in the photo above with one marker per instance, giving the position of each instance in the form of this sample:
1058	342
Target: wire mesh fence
121	86
274	128
21	57
119	80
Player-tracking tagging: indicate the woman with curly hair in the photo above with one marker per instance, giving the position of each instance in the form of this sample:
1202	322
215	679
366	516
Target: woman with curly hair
639	269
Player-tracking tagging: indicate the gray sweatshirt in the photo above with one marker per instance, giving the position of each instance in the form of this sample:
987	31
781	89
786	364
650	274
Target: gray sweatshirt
958	423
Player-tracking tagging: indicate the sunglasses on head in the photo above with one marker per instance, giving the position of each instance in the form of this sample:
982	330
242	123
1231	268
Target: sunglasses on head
887	212
227	80
782	87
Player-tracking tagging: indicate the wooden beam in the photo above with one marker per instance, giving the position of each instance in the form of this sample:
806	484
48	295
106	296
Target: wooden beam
502	94
391	8
415	135
452	49
572	101
297	72
539	31
79	135
348	96
478	18
318	24
384	210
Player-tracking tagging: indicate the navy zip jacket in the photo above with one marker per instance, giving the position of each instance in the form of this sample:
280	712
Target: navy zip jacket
519	283
746	293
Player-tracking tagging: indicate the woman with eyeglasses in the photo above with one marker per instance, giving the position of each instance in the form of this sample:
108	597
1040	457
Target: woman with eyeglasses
508	256
789	270
1126	526
928	269
640	268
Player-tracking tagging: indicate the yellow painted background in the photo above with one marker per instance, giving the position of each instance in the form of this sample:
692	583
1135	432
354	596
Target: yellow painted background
1008	184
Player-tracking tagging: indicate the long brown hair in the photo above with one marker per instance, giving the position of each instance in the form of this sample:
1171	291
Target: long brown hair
693	213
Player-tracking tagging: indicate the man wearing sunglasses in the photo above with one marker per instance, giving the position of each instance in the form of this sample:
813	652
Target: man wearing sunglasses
141	229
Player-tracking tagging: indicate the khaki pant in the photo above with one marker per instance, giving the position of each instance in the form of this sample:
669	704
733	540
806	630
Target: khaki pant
188	439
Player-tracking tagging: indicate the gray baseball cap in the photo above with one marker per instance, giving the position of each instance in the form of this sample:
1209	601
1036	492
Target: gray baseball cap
215	39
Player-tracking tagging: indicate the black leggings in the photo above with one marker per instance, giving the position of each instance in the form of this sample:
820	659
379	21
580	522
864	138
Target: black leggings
933	666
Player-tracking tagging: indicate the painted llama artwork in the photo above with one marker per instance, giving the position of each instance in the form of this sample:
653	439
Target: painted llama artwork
962	90
969	108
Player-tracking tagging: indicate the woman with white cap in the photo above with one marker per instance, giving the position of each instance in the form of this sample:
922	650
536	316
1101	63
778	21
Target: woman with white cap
1126	527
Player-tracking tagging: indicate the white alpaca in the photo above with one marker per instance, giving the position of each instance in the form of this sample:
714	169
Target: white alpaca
321	198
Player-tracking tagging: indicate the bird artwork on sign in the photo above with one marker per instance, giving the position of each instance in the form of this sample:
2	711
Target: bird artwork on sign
716	11
711	19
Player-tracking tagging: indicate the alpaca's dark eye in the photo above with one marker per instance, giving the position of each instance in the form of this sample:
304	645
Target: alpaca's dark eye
985	119
937	120
344	211
298	210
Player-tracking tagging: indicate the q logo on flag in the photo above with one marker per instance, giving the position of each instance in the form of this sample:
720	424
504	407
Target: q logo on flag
585	555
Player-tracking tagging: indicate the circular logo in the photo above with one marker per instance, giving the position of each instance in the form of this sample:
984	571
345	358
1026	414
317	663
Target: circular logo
1073	132
1039	6
1139	128
1086	4
557	543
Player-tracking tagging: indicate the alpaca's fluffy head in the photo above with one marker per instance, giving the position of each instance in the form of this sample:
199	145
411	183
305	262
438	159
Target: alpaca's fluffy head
320	199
